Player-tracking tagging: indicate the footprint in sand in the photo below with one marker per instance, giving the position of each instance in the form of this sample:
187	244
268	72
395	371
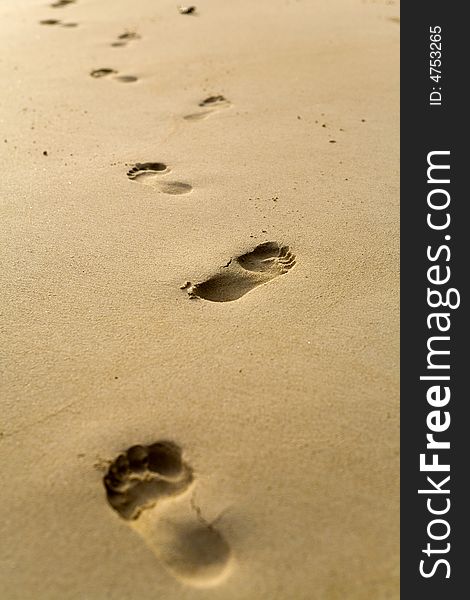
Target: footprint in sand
61	3
244	273
57	22
148	486
147	173
98	73
125	37
209	105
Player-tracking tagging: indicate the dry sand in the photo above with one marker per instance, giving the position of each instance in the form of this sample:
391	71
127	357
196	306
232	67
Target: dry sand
283	398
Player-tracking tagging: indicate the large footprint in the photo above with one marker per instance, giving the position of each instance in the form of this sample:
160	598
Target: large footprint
147	173
244	273
148	486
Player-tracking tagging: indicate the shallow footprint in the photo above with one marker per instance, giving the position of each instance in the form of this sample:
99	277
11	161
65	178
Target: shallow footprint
148	487
125	37
175	188
97	73
244	273
57	22
210	104
126	78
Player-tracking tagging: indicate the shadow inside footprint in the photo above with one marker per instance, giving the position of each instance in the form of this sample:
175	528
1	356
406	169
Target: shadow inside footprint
175	187
125	37
97	73
195	552
144	474
57	22
244	273
61	3
214	101
147	173
126	78
141	171
144	485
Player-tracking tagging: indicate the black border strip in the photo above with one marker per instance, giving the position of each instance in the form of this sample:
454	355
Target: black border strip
424	129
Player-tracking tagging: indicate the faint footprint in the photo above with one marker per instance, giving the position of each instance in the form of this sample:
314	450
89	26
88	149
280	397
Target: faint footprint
126	78
125	37
244	273
210	104
175	187
148	486
61	3
147	173
57	22
97	73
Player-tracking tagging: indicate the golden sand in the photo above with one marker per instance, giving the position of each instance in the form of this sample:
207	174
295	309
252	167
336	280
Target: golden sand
200	245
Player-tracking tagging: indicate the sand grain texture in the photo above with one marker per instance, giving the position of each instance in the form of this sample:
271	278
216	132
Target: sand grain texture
283	399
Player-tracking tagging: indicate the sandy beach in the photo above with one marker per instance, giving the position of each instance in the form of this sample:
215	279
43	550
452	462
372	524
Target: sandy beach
200	300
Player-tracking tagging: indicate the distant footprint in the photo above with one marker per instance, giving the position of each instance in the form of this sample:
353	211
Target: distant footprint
148	173
244	273
57	22
210	105
98	73
125	37
148	487
61	3
126	78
